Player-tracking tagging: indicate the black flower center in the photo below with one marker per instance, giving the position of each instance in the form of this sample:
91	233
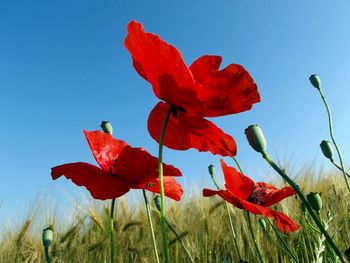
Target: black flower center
258	195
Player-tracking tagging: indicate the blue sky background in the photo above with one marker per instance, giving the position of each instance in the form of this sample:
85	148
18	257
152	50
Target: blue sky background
64	68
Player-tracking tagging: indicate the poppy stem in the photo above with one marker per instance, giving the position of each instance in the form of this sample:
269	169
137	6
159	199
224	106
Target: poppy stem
278	234
233	234
161	185
111	232
333	139
337	166
249	219
151	226
47	255
305	202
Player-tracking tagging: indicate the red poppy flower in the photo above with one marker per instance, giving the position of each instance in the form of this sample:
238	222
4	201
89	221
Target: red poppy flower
122	168
201	90
243	193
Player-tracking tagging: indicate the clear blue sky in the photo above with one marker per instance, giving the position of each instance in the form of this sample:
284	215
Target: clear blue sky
64	68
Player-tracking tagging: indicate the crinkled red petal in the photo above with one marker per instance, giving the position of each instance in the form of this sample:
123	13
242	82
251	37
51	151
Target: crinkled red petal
231	90
105	148
162	66
172	188
185	131
100	184
136	165
283	222
237	183
273	194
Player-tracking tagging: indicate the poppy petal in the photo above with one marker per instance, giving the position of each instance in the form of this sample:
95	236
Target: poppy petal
105	148
232	89
185	131
274	195
237	183
162	66
97	182
172	188
136	165
283	222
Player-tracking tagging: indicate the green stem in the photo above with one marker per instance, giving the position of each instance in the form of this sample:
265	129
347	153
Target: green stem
179	239
333	139
253	236
111	232
47	255
151	225
287	250
161	185
233	234
337	166
310	225
305	202
249	219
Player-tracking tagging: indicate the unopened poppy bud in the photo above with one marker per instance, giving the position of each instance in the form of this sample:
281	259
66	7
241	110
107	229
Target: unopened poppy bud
211	169
315	201
47	236
157	202
327	149
262	224
107	127
256	138
315	81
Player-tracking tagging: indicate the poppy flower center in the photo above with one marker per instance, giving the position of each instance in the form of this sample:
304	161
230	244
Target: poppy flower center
258	196
175	110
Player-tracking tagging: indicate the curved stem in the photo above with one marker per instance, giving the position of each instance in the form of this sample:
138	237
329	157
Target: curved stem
337	166
305	202
47	255
111	232
233	234
161	185
287	250
151	225
333	139
249	219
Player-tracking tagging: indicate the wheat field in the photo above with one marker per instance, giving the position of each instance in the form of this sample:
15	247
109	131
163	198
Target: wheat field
201	223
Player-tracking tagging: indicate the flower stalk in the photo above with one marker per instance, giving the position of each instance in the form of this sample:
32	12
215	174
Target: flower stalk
248	219
161	185
111	232
233	234
155	251
318	87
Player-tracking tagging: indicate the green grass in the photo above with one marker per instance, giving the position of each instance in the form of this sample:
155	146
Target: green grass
201	222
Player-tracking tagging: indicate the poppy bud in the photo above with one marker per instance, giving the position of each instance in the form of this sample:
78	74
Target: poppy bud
315	81
211	169
107	127
157	202
47	236
315	201
262	224
327	149
256	138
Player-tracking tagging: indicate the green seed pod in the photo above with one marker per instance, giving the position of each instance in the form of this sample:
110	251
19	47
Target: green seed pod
211	169
327	149
47	236
157	202
107	127
315	81
256	138
262	224
315	201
